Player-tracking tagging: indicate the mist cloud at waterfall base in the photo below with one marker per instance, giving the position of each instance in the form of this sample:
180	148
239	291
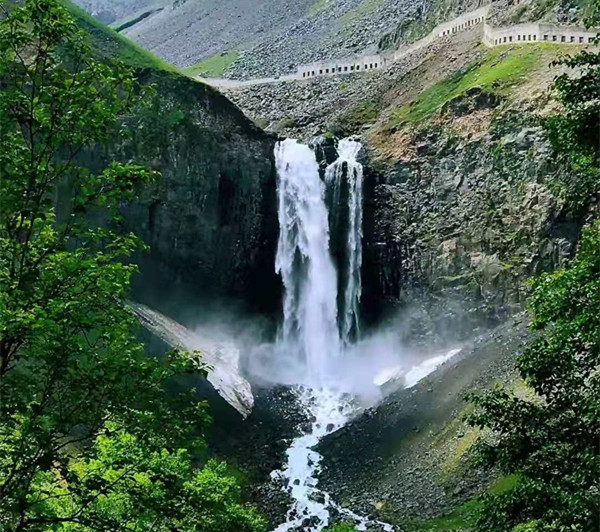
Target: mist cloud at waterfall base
267	362
360	369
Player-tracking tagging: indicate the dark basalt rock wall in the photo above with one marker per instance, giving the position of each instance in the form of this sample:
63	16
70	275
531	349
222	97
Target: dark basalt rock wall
454	231
211	220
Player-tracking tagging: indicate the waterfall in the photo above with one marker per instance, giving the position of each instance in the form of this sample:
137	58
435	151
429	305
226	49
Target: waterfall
344	181
314	295
304	261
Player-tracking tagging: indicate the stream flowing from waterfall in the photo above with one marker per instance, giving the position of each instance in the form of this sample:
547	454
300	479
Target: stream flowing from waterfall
321	302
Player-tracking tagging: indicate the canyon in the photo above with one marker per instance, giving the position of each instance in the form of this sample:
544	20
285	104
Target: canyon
401	226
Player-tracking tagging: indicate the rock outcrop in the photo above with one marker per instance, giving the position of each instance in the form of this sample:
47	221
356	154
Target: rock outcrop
465	221
211	220
220	359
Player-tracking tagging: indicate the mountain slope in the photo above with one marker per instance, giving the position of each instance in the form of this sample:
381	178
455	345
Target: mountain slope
106	42
111	11
260	38
269	36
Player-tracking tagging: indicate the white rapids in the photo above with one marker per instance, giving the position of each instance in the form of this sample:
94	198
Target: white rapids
311	509
310	332
311	505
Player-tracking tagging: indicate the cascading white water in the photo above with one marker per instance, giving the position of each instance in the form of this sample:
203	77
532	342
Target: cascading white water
310	327
304	262
348	168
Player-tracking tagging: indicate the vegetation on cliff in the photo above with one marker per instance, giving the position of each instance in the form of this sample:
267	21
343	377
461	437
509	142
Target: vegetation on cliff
575	133
551	439
90	437
497	71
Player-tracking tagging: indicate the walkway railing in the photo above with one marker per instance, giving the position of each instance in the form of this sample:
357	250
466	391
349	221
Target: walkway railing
491	36
538	32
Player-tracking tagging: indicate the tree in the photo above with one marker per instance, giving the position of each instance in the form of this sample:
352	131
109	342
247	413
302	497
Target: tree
89	438
340	527
575	132
552	440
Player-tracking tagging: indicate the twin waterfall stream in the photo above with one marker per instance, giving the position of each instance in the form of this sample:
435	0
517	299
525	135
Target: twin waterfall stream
320	221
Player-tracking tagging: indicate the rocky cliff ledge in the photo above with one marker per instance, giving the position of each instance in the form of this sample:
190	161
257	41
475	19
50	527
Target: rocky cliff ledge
211	221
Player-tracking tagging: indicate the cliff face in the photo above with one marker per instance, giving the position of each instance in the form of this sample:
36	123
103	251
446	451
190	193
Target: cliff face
211	221
464	221
460	207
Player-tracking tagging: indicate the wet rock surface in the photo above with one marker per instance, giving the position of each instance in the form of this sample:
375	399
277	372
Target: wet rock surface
259	446
475	192
465	221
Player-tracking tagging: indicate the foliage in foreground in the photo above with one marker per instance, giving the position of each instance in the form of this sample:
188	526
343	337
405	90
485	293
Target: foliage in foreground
575	132
552	440
89	439
340	527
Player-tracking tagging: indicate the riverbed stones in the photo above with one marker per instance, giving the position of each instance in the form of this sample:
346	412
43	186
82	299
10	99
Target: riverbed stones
426	473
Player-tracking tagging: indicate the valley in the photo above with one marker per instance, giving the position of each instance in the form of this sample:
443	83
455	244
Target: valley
317	265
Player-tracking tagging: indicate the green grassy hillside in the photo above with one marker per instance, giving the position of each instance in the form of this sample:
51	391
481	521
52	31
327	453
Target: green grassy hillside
501	70
106	42
214	66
